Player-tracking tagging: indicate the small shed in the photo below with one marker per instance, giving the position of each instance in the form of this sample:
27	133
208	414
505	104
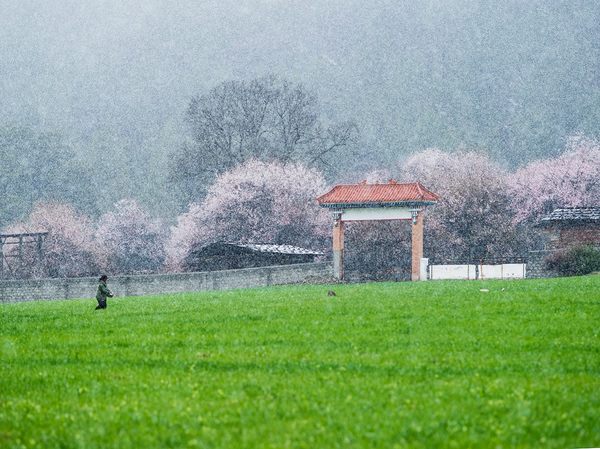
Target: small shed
571	226
231	256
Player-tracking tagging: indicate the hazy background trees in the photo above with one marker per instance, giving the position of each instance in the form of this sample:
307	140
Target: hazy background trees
40	166
514	78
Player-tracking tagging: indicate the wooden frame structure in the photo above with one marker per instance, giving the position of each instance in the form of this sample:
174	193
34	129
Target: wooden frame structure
23	239
365	202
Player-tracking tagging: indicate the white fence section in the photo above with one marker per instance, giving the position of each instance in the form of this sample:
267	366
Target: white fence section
503	271
439	272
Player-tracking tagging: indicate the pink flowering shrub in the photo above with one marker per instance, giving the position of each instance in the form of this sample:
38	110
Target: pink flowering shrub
255	202
132	241
183	237
569	180
68	249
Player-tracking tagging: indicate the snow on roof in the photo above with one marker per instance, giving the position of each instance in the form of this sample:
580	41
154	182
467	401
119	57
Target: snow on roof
279	249
580	214
220	247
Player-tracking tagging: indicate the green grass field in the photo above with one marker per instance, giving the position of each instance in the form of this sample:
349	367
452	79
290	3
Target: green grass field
431	364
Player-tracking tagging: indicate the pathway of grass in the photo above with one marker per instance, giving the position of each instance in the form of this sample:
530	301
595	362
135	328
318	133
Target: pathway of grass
432	364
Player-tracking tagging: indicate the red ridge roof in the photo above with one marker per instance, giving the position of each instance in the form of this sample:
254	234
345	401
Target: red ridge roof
413	192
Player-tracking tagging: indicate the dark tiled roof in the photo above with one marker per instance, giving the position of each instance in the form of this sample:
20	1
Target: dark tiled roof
579	214
378	194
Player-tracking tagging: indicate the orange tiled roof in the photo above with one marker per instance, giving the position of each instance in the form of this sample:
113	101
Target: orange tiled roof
413	193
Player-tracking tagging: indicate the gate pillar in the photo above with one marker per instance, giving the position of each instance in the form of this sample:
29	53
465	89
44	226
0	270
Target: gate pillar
338	248
417	243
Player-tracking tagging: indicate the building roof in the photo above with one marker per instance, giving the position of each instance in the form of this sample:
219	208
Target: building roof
573	214
378	195
279	249
222	247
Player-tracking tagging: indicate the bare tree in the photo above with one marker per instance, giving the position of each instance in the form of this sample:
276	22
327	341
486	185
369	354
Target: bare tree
267	119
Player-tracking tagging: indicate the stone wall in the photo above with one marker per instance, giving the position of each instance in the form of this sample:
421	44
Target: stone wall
80	288
535	265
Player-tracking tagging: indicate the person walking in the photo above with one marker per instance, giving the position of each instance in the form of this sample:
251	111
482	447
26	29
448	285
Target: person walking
103	293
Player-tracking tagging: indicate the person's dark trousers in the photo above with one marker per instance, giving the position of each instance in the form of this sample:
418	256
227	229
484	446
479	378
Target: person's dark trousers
101	305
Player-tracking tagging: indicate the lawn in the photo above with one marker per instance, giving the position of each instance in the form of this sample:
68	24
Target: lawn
430	364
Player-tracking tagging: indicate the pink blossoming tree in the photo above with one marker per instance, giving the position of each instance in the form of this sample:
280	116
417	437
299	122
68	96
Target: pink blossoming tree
473	217
68	249
132	241
568	180
255	202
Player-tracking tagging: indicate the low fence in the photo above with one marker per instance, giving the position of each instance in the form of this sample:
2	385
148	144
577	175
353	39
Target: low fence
158	284
506	271
513	269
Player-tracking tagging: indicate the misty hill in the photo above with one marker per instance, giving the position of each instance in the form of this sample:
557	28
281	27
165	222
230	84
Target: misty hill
513	77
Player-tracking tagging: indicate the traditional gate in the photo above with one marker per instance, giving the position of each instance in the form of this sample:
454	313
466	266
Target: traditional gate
369	202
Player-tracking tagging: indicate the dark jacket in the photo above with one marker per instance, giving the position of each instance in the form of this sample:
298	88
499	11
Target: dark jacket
103	291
